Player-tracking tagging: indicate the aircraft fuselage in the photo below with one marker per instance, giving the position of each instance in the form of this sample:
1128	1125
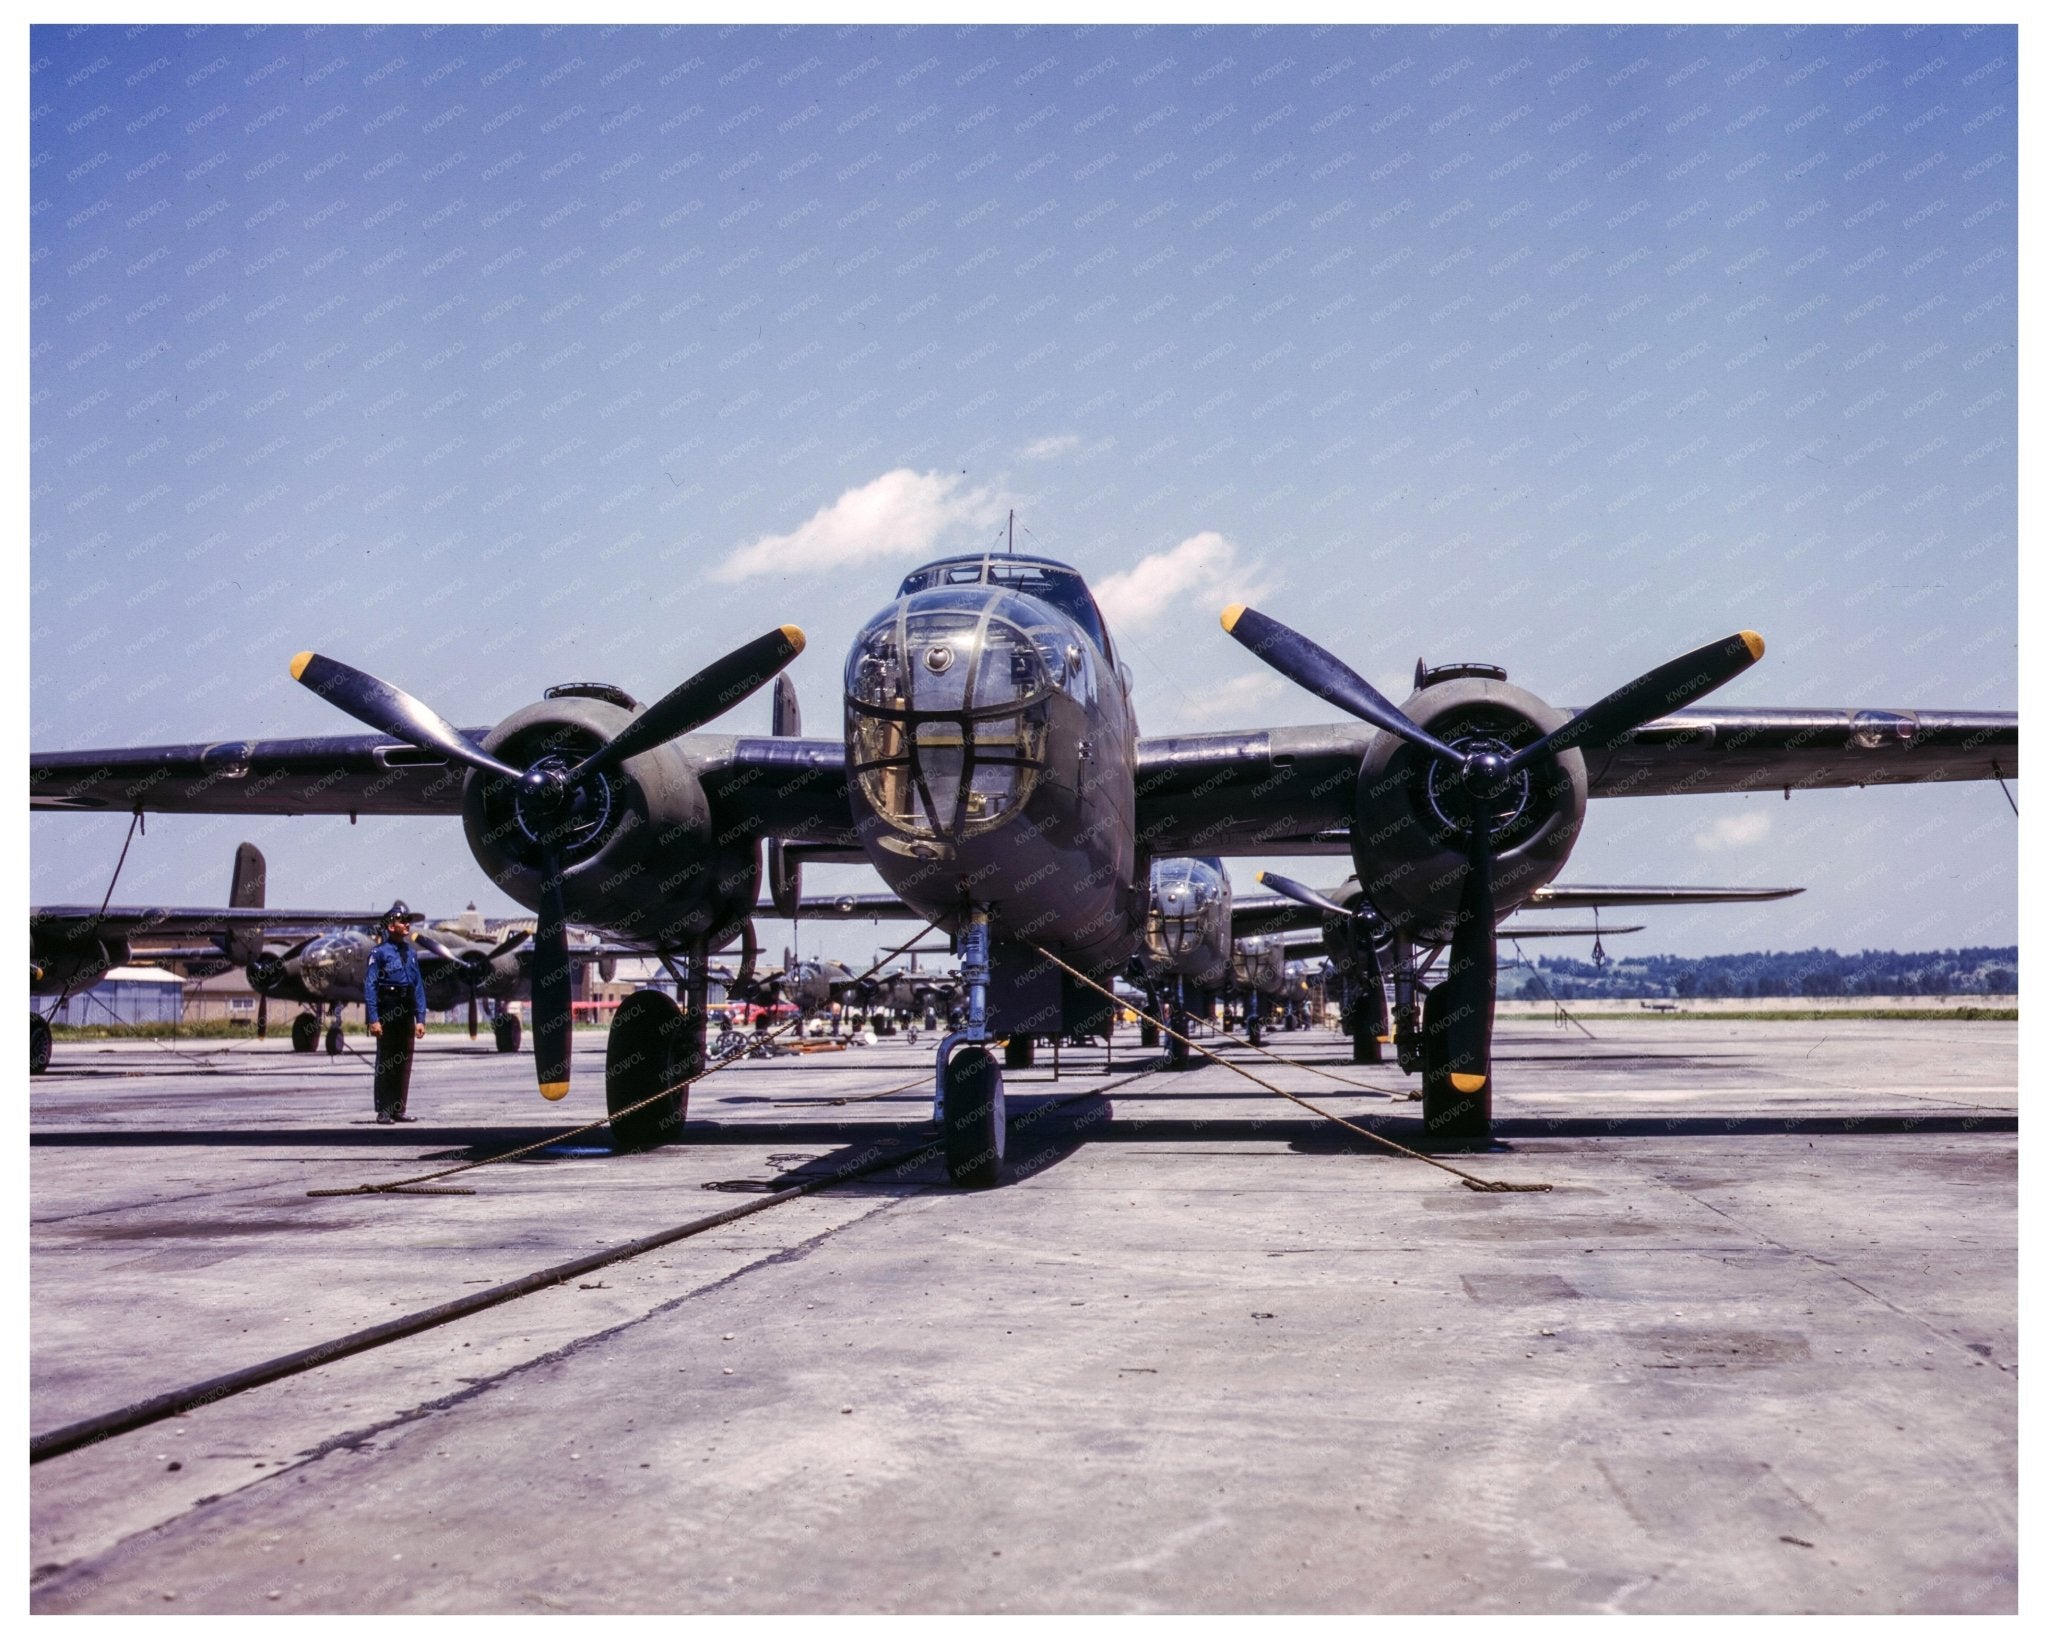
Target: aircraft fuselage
991	757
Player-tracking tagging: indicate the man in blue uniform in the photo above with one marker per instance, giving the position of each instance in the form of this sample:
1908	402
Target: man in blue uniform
395	997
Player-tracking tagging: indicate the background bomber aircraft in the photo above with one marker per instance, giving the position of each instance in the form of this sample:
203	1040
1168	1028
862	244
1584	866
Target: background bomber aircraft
992	771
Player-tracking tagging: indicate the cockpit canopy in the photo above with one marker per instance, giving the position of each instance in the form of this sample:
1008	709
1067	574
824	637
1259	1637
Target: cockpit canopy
1041	578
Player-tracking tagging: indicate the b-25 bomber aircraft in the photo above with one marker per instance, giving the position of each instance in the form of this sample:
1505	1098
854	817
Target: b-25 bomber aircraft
458	964
72	947
992	771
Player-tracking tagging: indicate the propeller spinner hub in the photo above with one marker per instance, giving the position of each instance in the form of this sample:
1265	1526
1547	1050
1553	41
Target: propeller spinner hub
1479	786
553	811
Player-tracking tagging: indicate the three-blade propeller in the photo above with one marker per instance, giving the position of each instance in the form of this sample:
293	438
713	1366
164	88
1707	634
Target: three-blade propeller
549	791
1464	1001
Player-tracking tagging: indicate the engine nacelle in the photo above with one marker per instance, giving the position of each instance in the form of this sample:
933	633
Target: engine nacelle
1407	834
57	965
640	851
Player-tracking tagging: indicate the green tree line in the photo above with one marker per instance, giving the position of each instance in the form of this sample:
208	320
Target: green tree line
1972	971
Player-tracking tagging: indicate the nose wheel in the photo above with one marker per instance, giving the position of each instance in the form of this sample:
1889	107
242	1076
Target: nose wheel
972	1119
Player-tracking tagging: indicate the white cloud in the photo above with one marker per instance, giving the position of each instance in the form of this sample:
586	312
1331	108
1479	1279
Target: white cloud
1733	831
900	513
1204	573
1234	697
1044	449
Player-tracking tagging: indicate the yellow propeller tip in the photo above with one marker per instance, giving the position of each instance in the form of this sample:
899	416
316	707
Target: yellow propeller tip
1258	876
1754	644
1231	616
1467	1085
794	636
554	1091
300	662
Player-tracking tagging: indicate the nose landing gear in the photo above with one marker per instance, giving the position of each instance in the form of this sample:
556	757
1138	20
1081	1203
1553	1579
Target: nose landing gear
968	1098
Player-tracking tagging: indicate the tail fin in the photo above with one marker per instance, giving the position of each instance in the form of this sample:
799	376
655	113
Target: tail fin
246	889
245	892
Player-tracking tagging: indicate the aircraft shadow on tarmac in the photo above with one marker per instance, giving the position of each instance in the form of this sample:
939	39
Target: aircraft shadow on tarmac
1057	1125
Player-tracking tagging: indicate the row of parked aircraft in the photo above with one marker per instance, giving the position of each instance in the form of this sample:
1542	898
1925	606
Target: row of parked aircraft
991	769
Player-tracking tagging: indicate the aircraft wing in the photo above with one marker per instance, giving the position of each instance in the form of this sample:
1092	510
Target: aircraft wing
786	787
850	907
1284	791
1510	931
1561	896
1250	918
67	921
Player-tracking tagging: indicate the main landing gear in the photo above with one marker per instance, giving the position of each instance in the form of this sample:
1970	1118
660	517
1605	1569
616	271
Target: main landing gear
973	1123
38	1044
305	1032
505	1032
655	1050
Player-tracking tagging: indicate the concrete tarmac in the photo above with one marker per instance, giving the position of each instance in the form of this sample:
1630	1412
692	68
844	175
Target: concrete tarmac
1756	1349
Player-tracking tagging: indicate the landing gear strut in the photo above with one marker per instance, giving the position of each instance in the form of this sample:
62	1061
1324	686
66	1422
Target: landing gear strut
969	1096
1177	1049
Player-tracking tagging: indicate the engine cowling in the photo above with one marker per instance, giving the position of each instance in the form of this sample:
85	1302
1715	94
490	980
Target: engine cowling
1408	835
640	850
73	964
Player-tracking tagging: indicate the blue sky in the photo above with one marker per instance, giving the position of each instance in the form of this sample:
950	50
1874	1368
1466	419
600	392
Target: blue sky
488	358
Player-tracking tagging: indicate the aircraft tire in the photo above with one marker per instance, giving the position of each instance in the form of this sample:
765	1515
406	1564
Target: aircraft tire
1365	1046
1020	1053
1451	1120
1178	1052
334	1041
972	1119
651	1046
305	1033
38	1044
1254	1034
1148	1033
505	1031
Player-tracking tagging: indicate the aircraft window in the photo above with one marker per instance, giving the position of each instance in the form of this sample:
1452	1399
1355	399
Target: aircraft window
948	716
1051	583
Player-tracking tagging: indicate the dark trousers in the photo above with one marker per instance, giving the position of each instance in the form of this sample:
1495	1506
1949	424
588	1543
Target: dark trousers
394	1048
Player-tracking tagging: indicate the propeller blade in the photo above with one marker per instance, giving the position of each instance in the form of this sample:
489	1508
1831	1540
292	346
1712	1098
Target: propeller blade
750	953
373	701
472	1013
1301	893
433	947
1663	689
693	703
553	1026
512	942
1307	663
1464	1001
262	1015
